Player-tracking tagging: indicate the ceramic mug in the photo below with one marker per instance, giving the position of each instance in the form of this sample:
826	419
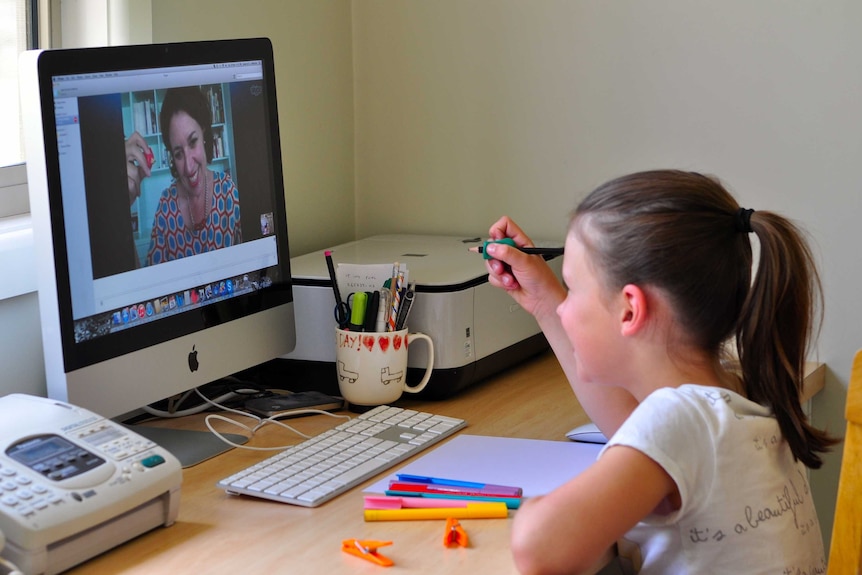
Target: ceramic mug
372	366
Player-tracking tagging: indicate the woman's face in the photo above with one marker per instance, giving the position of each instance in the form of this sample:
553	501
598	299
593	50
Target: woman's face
188	152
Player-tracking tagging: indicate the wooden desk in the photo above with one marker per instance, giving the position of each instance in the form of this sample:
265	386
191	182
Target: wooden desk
218	533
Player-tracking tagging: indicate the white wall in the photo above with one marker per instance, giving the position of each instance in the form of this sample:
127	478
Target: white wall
467	110
314	79
23	368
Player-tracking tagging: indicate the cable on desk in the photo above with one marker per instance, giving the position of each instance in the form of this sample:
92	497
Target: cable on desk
190	411
11	568
260	423
235	388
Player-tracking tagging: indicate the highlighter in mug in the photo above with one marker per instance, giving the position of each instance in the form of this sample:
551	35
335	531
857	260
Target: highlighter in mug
372	366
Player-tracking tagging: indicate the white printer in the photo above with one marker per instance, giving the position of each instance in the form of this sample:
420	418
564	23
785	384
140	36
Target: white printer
477	328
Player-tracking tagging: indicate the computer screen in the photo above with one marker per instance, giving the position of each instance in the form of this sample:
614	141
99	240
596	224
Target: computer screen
158	207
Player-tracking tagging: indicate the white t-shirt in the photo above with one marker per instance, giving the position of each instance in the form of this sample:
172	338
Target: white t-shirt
746	505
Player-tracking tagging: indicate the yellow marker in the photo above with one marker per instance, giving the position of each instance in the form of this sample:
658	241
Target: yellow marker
495	510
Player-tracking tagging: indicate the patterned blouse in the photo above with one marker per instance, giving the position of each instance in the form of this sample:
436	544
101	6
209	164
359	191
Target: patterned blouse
171	239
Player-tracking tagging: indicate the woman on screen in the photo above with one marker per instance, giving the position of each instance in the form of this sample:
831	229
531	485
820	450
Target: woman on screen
199	211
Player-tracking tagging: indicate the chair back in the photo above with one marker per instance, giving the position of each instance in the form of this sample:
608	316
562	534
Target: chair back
845	552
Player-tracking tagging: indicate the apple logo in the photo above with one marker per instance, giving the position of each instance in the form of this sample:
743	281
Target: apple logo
193	360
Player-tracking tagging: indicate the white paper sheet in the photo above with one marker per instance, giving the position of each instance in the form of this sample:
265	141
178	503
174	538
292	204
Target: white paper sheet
365	277
535	465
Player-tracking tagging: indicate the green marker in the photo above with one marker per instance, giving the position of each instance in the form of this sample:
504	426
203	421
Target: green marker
510	242
357	311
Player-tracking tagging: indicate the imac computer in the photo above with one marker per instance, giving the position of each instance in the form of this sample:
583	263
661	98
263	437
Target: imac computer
159	218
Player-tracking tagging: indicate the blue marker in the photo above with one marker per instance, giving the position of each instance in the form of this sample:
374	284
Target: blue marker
499	489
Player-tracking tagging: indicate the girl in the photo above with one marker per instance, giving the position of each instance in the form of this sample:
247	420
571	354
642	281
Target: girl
705	468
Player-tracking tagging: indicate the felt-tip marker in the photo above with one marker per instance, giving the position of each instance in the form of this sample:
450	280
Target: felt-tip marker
357	311
421	483
510	242
371	311
494	510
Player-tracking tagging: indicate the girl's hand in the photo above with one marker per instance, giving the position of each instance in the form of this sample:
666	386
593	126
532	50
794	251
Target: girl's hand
527	278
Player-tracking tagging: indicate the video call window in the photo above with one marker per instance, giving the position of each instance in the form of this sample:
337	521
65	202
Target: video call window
162	198
169	187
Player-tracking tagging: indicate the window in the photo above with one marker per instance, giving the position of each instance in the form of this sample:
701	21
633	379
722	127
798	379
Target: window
61	24
16	243
14	39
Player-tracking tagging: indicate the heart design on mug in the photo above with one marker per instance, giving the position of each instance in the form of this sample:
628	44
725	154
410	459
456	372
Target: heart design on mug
383	341
368	341
397	342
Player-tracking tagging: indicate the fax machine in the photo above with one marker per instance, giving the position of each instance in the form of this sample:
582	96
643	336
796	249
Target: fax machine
74	484
477	328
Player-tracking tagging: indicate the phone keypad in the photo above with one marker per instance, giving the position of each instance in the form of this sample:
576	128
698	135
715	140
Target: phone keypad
22	495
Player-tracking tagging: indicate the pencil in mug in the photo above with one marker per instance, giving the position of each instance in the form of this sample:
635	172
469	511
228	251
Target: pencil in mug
397	284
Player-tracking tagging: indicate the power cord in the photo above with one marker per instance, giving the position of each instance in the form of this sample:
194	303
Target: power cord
236	389
11	568
261	421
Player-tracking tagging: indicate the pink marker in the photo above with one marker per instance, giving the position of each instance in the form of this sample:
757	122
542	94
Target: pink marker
393	502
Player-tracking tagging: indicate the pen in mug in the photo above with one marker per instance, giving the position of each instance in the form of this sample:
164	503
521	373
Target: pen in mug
371	311
404	309
396	300
357	311
383	309
395	267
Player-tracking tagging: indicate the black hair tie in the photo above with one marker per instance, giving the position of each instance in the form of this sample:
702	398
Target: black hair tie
742	221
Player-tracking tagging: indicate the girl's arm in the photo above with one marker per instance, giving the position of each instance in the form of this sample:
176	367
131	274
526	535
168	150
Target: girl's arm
570	529
532	283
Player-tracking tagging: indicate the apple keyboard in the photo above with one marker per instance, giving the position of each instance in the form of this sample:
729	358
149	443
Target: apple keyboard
318	469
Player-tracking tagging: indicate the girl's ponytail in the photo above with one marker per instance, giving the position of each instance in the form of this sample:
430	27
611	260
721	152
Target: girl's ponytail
782	310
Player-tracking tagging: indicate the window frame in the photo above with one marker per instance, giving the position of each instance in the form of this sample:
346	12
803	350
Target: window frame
16	231
14	200
16	234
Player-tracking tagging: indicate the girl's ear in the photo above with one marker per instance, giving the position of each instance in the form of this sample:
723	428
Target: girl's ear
635	311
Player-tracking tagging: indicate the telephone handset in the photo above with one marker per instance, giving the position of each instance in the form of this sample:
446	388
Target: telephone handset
74	484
